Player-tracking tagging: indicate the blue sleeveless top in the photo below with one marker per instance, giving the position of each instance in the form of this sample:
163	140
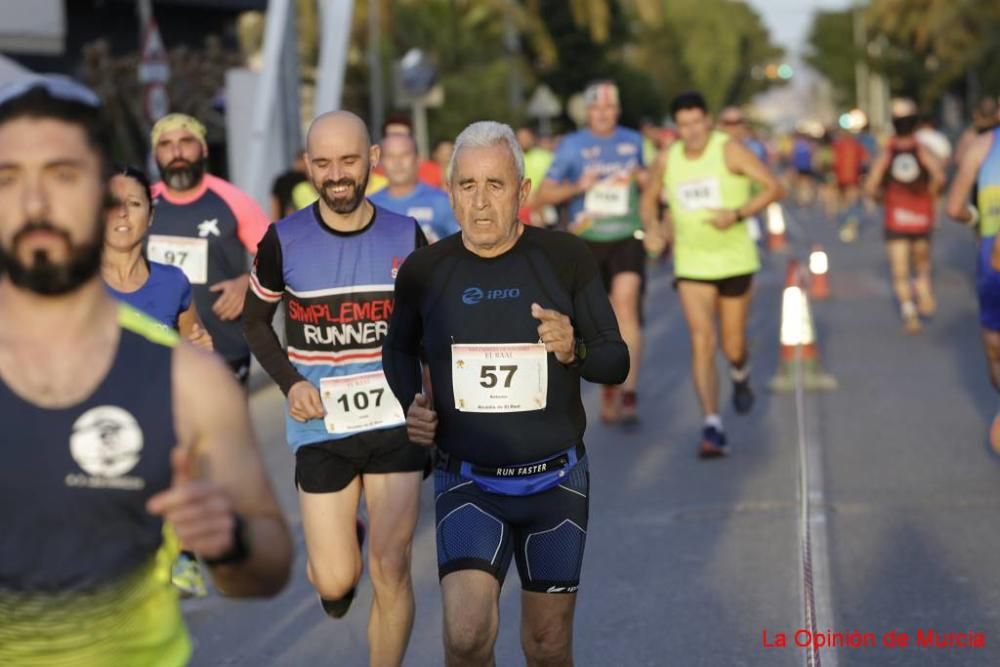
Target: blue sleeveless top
164	296
80	582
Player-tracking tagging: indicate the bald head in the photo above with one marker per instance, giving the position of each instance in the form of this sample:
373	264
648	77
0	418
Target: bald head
343	123
339	158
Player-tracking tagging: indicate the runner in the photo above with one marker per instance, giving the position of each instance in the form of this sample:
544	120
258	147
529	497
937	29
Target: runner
707	177
511	318
408	196
849	159
979	172
159	290
284	185
129	428
598	171
205	226
333	266
909	179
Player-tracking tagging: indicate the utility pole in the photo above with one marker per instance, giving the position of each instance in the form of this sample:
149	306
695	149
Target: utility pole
861	61
376	113
512	44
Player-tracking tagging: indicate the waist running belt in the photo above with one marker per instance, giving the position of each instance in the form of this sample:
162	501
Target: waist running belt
523	479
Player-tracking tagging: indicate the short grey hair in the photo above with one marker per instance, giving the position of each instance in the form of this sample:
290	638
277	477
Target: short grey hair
486	133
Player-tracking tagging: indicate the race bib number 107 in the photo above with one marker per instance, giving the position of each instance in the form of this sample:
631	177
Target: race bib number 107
359	402
499	378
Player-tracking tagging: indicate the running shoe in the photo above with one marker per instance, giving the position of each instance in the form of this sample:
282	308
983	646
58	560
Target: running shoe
339	608
713	443
742	396
610	408
911	318
186	576
849	230
629	409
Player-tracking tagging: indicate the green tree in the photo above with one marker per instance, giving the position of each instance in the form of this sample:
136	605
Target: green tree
832	52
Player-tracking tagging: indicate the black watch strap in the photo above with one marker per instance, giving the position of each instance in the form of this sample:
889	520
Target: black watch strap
240	550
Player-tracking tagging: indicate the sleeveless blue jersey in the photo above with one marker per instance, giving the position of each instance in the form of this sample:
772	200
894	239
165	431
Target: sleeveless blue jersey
165	295
337	289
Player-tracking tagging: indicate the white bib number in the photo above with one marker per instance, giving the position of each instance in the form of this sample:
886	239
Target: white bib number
499	378
187	254
607	199
700	194
359	402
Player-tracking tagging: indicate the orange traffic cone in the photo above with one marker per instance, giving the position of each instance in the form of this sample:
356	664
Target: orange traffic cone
776	228
819	266
798	351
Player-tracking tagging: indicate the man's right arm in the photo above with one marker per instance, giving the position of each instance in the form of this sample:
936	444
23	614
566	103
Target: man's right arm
957	205
401	346
560	183
267	285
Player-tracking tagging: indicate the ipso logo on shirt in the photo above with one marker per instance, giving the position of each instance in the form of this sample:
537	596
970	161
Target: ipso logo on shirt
474	295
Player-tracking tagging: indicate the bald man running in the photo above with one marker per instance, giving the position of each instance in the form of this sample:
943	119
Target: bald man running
334	264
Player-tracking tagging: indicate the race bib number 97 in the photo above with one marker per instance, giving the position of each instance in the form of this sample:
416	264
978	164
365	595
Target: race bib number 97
359	402
187	254
499	378
705	193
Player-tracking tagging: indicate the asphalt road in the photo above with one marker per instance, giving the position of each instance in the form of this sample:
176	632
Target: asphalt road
690	562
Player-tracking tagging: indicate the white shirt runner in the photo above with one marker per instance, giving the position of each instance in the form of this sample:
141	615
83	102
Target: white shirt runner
500	377
359	402
187	254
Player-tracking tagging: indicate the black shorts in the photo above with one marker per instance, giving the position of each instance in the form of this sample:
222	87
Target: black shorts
240	369
328	467
731	287
545	532
614	257
903	236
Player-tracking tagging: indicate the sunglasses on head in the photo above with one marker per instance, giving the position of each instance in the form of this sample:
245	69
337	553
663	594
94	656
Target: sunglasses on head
56	85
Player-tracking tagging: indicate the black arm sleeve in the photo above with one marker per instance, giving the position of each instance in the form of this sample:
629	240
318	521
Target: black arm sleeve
421	239
607	360
401	346
258	312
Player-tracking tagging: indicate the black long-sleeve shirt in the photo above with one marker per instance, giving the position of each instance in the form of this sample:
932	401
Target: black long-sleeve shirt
446	295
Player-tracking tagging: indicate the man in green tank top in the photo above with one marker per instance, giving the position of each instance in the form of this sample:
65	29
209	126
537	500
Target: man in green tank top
707	178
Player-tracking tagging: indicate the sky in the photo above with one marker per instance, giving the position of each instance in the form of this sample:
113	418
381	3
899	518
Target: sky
790	20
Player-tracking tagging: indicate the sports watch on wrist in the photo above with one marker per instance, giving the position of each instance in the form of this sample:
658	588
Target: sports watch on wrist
239	551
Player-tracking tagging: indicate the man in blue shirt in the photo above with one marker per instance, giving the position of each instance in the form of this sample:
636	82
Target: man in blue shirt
597	173
406	195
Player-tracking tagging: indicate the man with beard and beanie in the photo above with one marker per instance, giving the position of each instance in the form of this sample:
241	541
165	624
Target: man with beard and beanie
113	426
205	226
334	266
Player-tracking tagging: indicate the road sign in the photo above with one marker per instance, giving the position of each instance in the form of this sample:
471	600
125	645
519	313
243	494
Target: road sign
154	73
544	103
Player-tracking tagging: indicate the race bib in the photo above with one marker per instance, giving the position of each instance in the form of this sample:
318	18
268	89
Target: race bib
499	378
359	402
701	194
187	254
607	199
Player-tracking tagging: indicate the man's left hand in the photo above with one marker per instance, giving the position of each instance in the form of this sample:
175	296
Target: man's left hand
229	305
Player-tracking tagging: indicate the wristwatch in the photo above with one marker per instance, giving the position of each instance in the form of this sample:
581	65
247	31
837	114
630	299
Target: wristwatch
579	352
239	552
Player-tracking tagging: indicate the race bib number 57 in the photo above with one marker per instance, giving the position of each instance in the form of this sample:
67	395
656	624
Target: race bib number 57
499	378
359	402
